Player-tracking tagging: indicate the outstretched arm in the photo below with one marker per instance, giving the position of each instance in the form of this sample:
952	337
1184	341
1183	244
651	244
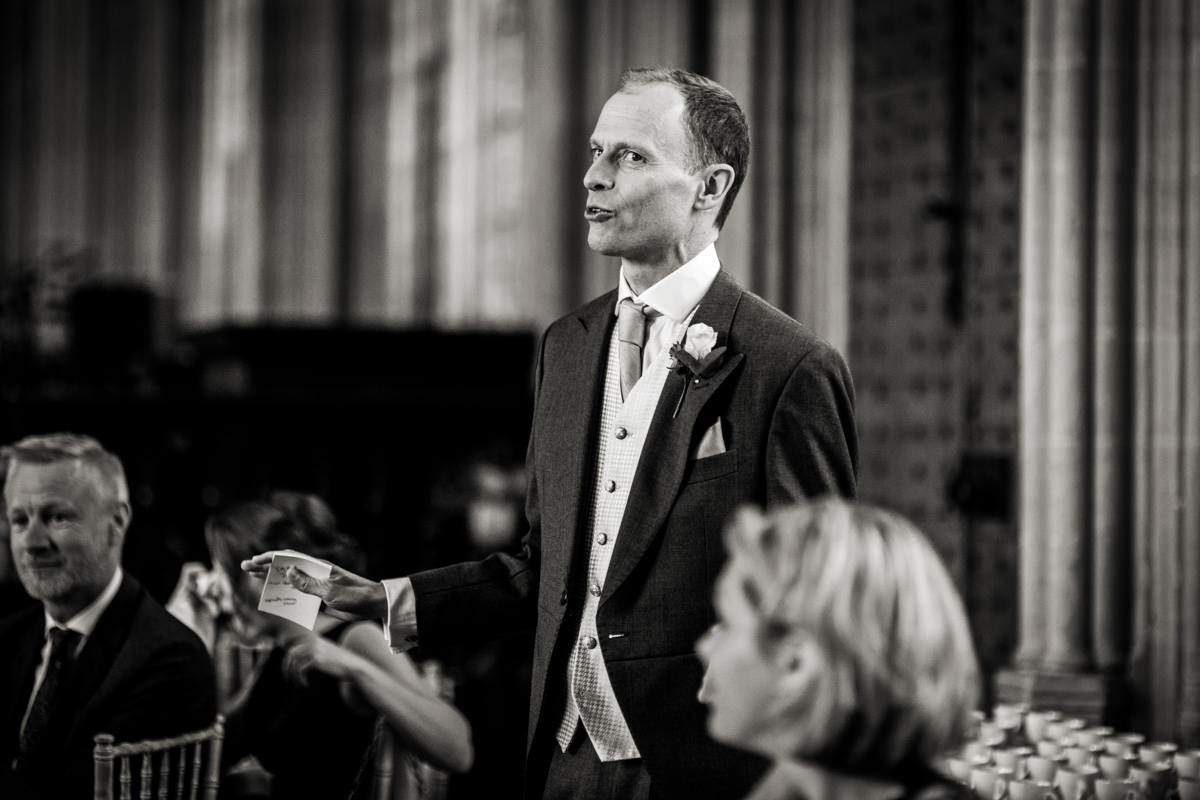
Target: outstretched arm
432	729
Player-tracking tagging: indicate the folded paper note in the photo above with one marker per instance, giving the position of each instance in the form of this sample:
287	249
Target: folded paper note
284	600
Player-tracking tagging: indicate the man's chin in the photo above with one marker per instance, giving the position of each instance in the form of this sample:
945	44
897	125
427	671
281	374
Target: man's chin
51	588
604	245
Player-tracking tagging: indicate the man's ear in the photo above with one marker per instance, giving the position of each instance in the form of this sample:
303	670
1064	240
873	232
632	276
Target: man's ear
121	515
718	178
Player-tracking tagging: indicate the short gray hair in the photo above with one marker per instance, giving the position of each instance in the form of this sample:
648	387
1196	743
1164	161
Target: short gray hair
51	448
870	590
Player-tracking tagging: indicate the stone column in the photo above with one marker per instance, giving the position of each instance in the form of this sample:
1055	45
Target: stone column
1166	383
1189	705
1110	456
1111	470
223	279
788	238
824	80
1059	391
302	124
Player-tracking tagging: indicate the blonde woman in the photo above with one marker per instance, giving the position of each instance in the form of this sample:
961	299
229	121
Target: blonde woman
841	651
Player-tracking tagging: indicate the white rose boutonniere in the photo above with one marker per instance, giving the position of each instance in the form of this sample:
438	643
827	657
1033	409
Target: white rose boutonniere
696	356
699	341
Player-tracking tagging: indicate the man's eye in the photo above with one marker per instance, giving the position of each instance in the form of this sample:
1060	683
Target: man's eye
59	518
595	153
632	157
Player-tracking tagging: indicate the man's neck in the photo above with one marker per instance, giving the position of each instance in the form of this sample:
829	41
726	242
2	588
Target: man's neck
642	275
90	599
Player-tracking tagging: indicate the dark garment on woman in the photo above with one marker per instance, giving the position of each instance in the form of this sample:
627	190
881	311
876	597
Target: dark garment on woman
311	742
786	782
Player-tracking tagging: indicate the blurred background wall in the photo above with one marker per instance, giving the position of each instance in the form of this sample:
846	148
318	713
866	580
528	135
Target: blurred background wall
254	243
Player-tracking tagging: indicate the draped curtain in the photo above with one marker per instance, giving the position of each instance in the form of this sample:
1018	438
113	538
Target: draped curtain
395	162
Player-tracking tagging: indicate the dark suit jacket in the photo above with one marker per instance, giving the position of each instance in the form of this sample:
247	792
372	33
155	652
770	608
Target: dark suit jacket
786	403
140	675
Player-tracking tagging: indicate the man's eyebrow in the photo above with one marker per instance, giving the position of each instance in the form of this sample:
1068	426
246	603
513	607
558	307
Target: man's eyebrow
620	145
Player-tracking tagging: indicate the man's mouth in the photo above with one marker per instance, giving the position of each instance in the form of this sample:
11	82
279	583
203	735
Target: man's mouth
42	565
598	214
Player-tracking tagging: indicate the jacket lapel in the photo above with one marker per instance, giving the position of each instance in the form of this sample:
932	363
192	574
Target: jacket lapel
574	411
664	455
97	665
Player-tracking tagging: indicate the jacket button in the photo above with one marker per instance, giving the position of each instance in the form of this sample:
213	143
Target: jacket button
590	643
622	433
594	590
610	486
562	599
602	538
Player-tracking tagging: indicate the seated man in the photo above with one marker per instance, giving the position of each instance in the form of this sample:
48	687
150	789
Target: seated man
98	654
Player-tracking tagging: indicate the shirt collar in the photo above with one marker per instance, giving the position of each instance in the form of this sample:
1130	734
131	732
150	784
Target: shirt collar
678	294
85	621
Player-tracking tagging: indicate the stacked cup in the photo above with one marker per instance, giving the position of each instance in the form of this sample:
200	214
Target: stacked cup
1022	754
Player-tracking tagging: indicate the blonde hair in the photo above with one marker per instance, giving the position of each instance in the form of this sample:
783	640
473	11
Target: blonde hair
52	448
900	677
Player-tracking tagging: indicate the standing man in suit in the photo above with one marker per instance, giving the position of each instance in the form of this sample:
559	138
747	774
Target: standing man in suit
98	654
659	408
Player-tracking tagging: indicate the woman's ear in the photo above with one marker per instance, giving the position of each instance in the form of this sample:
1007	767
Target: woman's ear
798	662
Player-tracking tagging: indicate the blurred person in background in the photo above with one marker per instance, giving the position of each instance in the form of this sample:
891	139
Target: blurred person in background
97	654
841	651
340	676
481	501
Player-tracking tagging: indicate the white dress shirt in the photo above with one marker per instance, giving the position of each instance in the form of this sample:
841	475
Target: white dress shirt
82	623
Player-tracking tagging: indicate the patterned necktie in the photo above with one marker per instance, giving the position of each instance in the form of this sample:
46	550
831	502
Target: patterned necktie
62	654
631	335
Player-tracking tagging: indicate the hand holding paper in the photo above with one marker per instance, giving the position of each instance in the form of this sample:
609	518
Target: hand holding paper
283	599
345	594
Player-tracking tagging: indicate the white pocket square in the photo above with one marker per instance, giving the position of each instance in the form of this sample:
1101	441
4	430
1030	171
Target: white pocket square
712	443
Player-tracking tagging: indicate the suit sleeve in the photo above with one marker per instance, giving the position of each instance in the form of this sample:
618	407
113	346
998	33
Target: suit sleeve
495	596
812	442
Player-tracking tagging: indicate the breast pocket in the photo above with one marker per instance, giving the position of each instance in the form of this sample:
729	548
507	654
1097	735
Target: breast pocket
712	467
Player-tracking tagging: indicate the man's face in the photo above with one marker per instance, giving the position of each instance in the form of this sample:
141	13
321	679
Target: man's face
640	192
66	533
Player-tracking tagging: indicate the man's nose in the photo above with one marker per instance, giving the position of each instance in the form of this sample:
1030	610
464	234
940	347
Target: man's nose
34	537
598	176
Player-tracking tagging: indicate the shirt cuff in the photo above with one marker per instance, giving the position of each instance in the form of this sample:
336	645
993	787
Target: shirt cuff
400	627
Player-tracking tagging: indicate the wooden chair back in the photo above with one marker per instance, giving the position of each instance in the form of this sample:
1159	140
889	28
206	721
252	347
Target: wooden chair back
184	767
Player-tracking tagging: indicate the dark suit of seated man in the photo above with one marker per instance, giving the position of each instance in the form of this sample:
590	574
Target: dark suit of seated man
98	654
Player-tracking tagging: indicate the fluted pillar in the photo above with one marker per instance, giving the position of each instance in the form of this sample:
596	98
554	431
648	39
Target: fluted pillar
1166	627
1034	371
1111	471
303	116
223	268
791	67
1110	457
1070	417
820	293
1189	704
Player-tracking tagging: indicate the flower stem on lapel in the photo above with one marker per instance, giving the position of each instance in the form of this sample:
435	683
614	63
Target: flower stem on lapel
679	402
